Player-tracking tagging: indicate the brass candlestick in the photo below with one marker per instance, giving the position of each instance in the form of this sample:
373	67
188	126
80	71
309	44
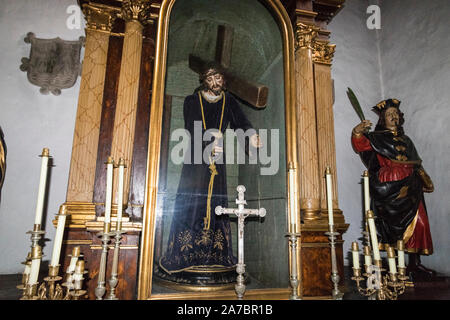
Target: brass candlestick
78	278
55	291
26	273
105	236
378	286
113	281
293	279
30	289
332	235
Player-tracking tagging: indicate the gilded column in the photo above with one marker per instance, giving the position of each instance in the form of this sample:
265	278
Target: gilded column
135	13
322	56
307	132
99	20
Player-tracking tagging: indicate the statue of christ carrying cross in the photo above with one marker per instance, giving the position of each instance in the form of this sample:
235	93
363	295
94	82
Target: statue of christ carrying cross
199	250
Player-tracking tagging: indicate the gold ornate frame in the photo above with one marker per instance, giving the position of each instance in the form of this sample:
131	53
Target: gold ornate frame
152	174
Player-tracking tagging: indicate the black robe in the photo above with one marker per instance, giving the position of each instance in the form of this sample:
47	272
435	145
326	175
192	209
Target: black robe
191	245
395	203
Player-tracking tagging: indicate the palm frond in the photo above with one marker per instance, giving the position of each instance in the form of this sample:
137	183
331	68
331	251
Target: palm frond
355	103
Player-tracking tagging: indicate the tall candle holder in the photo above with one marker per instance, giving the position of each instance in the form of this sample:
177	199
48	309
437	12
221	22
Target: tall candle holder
293	279
332	235
113	281
105	237
117	235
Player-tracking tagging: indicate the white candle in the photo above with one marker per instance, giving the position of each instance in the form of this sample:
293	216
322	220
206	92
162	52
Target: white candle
355	253
391	260
58	239
366	191
401	254
42	183
34	272
329	197
292	199
73	259
27	268
109	180
373	236
36	255
367	256
120	195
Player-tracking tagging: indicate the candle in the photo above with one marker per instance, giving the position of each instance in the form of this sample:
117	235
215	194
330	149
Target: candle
329	197
42	183
79	270
58	237
366	191
391	260
373	235
401	254
292	197
109	179
355	253
120	195
73	259
36	256
367	256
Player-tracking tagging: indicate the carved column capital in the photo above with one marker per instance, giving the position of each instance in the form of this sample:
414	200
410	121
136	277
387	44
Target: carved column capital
137	10
306	35
99	17
323	52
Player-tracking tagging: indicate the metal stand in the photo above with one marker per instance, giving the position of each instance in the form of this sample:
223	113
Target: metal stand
114	279
337	295
30	291
105	236
293	277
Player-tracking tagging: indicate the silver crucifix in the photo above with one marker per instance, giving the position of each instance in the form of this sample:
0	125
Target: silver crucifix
241	214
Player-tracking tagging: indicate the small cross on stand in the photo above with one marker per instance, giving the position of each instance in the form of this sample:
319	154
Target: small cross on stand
241	214
253	93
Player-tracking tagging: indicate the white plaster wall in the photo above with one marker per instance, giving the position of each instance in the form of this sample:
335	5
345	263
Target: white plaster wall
415	55
30	122
355	65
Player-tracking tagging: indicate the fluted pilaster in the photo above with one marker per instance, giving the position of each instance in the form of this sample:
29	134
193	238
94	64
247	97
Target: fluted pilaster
135	13
307	132
87	125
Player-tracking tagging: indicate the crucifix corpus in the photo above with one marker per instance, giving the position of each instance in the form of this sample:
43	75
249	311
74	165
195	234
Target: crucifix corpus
241	214
253	93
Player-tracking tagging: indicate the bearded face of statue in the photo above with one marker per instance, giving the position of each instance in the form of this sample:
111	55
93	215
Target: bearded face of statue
214	82
392	118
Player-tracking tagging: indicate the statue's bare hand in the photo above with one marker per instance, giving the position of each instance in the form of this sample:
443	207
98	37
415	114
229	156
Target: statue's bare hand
364	126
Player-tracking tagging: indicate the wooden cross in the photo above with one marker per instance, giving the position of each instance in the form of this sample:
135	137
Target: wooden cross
254	93
241	214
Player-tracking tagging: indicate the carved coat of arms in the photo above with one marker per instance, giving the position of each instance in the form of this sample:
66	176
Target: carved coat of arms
54	64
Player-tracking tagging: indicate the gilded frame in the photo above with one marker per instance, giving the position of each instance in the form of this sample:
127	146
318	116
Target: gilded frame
152	174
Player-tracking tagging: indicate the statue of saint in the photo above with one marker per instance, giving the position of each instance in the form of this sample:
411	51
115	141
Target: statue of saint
2	160
199	250
397	184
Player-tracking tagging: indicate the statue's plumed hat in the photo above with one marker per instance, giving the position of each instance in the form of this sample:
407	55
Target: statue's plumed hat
383	105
